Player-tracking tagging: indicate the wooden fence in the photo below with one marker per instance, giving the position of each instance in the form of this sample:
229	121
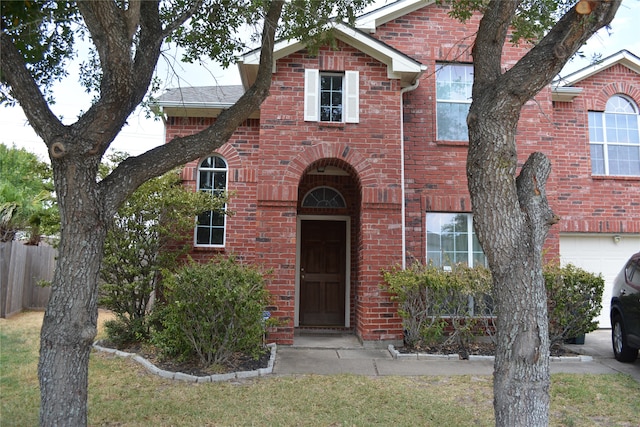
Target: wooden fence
22	270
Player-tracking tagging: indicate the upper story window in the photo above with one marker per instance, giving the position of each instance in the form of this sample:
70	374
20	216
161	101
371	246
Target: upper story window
453	99
323	197
614	138
212	178
451	240
331	97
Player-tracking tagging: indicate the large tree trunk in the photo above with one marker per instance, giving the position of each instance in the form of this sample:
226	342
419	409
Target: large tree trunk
511	215
70	321
512	224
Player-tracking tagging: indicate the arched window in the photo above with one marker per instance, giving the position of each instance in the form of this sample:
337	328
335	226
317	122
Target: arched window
323	197
212	178
615	139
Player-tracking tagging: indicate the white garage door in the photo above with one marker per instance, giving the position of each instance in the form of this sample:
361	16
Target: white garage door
599	254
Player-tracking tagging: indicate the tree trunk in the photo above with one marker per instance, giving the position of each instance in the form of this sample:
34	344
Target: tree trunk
512	215
70	320
87	207
511	227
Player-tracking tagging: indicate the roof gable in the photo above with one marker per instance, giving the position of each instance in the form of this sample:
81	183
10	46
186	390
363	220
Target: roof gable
372	20
399	65
563	89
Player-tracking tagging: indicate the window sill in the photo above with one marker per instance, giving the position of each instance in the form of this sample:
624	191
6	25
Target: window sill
202	248
615	178
453	143
331	125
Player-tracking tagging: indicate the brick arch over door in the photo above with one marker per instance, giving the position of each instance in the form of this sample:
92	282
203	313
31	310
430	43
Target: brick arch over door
303	161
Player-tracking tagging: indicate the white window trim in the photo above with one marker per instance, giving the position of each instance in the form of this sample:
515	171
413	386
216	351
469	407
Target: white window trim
605	144
350	93
470	235
447	100
325	187
226	187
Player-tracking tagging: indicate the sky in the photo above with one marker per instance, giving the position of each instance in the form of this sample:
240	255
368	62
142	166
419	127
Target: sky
141	134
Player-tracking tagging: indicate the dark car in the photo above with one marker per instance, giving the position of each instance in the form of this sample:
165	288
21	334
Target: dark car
625	311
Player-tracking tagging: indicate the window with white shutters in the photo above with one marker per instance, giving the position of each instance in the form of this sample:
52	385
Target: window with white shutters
331	97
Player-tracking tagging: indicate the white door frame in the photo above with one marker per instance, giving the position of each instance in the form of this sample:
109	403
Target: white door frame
347	272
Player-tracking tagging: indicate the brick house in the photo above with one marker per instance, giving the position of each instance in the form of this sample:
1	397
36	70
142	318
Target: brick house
356	162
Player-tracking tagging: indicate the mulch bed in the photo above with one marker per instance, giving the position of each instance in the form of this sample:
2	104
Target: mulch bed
475	348
238	362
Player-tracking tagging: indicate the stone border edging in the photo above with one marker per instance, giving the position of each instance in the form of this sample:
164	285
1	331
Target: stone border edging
192	378
455	356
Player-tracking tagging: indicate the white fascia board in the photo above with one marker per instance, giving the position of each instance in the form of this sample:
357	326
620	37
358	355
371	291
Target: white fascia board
624	57
280	50
565	94
397	62
190	105
372	20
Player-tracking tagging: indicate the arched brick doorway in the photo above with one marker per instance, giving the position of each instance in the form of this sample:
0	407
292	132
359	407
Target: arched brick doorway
328	212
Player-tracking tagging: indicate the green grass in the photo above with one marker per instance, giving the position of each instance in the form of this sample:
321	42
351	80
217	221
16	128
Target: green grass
123	393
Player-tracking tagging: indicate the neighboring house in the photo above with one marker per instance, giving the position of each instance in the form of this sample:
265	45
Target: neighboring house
356	162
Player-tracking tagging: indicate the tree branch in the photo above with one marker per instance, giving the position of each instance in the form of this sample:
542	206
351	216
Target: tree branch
532	195
550	55
125	80
181	19
132	172
487	50
26	91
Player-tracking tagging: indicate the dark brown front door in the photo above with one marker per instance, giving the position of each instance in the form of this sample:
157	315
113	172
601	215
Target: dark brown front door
322	273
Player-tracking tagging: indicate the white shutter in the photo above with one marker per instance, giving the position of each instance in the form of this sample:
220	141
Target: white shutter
311	103
352	93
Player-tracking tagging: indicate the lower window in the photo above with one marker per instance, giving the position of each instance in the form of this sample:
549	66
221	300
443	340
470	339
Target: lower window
451	240
212	179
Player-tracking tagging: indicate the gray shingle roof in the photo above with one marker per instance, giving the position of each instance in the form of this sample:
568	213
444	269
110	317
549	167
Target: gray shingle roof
209	95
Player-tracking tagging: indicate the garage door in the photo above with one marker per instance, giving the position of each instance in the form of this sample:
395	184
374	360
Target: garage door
599	254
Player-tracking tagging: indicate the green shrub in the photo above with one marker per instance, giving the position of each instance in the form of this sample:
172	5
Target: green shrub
574	300
212	311
124	330
145	240
437	305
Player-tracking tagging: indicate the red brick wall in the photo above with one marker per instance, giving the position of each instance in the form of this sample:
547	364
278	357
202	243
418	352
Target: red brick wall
587	203
289	145
240	153
436	170
269	160
267	166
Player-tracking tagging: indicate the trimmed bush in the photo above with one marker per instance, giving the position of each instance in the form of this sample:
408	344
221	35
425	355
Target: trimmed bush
212	311
442	306
438	306
574	300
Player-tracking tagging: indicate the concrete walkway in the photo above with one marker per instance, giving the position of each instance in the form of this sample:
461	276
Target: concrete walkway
340	354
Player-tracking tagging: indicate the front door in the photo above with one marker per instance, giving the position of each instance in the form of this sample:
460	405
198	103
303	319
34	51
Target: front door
322	273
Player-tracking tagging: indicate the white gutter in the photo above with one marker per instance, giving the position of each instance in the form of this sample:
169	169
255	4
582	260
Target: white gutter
402	209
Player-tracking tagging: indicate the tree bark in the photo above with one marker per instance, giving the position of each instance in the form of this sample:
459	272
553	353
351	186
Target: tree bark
70	321
511	215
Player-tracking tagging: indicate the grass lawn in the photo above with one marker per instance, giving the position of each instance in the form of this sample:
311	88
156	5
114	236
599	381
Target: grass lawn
123	393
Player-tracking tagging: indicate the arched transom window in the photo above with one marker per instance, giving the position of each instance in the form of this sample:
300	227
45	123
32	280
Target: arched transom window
323	197
615	139
212	178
